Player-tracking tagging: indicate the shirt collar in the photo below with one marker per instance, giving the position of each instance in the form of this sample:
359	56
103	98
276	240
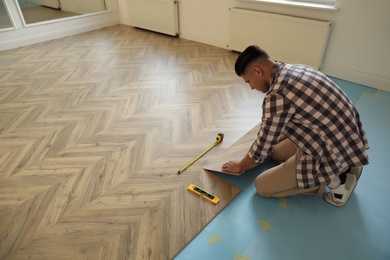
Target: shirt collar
275	71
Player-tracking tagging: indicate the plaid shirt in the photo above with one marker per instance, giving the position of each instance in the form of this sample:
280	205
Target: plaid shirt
315	114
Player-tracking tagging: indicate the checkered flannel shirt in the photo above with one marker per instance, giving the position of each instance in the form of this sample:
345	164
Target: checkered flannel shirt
315	114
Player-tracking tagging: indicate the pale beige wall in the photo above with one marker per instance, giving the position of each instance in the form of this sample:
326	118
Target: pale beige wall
359	43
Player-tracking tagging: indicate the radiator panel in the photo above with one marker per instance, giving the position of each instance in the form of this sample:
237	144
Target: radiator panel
154	15
285	38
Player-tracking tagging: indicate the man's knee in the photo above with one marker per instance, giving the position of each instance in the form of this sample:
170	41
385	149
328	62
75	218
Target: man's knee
261	188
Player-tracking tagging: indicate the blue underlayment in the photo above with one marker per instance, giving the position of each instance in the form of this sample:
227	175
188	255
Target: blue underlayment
306	227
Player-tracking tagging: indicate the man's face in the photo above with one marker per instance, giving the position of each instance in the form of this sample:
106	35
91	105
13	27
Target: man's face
256	79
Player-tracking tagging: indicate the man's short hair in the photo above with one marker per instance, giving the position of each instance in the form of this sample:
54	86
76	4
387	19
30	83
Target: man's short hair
250	54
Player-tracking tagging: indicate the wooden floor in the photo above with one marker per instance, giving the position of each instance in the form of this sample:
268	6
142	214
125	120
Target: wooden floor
93	130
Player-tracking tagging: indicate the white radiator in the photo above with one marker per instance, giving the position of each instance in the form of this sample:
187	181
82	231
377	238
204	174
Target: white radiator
286	38
155	15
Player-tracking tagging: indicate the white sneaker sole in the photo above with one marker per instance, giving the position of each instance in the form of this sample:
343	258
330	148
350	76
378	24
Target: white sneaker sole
350	186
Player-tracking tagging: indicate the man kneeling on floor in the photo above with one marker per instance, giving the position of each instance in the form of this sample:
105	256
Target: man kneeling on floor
309	126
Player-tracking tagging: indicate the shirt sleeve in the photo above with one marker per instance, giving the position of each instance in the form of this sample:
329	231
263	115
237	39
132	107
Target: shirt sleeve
277	110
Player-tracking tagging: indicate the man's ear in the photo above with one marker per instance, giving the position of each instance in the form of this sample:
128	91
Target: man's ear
258	70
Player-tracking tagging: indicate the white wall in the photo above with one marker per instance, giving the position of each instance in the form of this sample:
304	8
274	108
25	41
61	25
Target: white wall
359	43
358	48
23	34
82	7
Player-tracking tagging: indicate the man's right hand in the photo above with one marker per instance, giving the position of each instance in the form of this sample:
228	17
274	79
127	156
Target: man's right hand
232	166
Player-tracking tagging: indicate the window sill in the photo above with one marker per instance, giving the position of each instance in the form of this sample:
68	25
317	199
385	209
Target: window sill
322	7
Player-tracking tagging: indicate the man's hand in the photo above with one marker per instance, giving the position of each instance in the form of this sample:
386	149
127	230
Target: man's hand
239	166
232	166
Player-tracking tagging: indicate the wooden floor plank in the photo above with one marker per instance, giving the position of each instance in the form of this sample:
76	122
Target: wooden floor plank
95	127
235	152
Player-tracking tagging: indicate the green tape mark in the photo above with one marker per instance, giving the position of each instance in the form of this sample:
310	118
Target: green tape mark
264	225
374	95
214	239
283	202
241	257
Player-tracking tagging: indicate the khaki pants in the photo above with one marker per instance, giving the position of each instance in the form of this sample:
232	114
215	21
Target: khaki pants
280	181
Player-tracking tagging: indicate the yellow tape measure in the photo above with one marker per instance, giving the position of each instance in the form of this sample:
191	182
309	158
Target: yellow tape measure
205	194
217	141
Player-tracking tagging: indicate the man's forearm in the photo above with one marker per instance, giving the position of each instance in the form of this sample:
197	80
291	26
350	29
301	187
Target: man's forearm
247	163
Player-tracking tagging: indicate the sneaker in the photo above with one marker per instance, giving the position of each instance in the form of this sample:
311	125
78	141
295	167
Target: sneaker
339	196
357	171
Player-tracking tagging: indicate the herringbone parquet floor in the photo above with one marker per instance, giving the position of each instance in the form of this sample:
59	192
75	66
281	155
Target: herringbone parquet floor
93	130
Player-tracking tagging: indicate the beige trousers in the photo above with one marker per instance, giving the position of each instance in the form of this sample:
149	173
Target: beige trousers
280	181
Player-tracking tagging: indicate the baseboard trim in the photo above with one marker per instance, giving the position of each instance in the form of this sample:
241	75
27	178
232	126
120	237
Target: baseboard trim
202	39
356	77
